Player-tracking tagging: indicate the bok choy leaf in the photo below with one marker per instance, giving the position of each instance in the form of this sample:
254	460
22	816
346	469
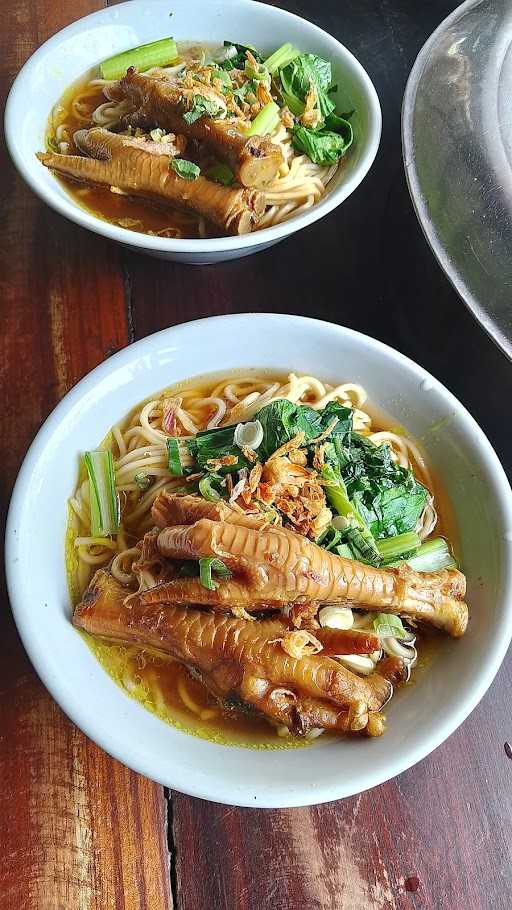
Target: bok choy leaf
322	146
282	420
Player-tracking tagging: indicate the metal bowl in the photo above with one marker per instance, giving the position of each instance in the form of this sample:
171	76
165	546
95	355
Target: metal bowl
457	145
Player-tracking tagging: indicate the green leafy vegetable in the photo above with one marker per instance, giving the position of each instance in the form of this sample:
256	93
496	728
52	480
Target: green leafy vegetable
388	497
363	546
337	495
157	53
203	107
258	72
104	500
243	90
355	530
340	124
333	135
185	169
225	78
387	624
322	146
212	444
208	487
282	420
237	61
300	75
207	566
220	173
266	121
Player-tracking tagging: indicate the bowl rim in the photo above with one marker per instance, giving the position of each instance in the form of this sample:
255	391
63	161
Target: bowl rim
213	790
69	209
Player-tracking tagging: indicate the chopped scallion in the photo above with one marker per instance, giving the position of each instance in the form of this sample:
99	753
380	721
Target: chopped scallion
207	489
178	456
103	494
143	481
387	624
210	564
344	551
157	53
249	435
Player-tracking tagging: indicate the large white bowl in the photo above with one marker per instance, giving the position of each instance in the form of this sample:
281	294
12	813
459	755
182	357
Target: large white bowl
77	48
420	717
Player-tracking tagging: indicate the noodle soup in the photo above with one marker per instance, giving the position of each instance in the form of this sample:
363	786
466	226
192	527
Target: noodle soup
242	96
141	460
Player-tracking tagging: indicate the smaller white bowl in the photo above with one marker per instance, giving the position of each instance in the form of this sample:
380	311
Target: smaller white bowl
82	45
420	717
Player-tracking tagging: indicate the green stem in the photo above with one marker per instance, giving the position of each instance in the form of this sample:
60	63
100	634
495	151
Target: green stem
284	55
266	121
395	547
157	53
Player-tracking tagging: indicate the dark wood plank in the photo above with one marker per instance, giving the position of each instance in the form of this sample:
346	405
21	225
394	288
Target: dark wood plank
77	829
444	827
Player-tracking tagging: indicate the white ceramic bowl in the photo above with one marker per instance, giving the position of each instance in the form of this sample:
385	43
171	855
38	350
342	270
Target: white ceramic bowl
420	717
82	45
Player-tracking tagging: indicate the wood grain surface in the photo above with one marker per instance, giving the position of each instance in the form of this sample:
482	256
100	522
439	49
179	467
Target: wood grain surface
78	831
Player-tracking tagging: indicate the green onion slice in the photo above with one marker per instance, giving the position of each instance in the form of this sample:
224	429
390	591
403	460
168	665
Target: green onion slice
157	53
387	624
105	512
143	481
249	434
210	564
206	488
176	466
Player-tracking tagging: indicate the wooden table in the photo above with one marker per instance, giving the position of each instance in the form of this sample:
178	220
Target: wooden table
78	830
